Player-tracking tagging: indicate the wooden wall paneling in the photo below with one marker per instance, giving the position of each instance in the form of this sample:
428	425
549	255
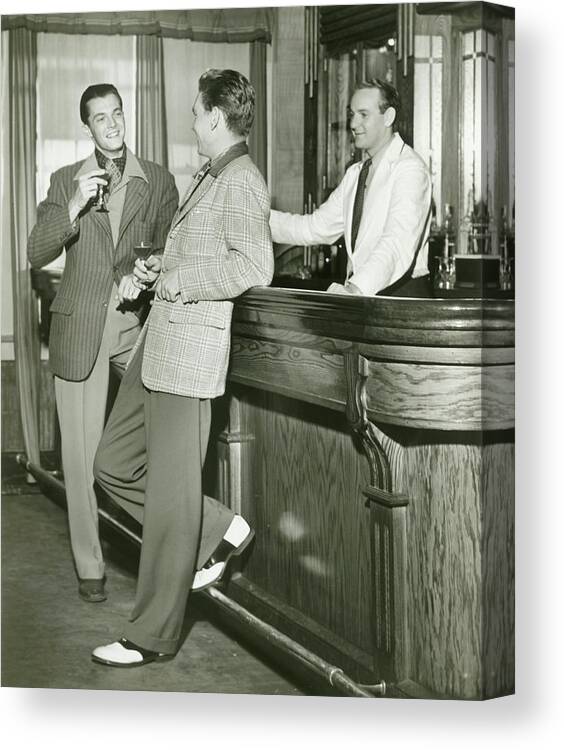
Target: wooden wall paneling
416	588
306	480
444	570
389	571
460	568
498	568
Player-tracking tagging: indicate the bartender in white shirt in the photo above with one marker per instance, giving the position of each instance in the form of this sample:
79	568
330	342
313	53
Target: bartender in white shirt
382	204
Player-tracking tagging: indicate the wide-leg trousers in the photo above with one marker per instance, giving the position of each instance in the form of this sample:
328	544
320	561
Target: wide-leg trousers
150	460
81	409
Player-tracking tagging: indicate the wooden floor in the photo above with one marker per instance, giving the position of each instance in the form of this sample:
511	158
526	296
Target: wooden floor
48	632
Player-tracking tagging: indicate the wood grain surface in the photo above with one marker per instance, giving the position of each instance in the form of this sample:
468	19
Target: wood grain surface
419	592
303	489
434	396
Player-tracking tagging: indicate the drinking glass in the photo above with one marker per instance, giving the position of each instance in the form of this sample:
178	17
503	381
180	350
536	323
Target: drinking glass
142	250
101	194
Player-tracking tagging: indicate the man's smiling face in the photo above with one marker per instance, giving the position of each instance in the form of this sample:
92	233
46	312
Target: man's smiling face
106	124
370	125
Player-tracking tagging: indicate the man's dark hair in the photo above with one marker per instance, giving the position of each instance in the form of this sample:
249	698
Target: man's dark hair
232	93
96	91
389	96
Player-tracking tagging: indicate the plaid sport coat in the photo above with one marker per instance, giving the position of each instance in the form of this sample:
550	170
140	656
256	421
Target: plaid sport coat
221	245
92	261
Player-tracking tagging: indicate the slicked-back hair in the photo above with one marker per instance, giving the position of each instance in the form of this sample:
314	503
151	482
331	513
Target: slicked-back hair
231	92
96	91
389	96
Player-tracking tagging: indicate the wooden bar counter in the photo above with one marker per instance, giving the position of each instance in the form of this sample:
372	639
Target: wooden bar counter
369	441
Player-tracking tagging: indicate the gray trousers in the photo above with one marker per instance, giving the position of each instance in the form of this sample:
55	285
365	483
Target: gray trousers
81	408
150	461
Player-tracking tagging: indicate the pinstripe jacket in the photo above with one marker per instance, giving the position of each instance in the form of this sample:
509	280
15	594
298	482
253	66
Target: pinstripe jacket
92	262
220	242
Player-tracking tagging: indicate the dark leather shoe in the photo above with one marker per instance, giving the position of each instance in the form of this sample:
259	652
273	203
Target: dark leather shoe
92	590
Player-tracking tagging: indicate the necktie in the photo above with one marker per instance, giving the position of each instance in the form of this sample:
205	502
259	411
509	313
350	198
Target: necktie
115	175
198	177
359	201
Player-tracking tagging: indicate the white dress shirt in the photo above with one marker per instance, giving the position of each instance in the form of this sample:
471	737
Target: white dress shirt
393	232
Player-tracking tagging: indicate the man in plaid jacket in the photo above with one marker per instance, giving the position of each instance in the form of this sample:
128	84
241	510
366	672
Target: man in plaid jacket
154	444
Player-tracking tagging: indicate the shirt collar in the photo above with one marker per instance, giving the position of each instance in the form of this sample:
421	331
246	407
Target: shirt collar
220	162
394	149
119	161
392	152
132	166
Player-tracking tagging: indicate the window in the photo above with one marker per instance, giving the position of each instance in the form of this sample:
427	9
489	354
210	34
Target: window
184	63
67	64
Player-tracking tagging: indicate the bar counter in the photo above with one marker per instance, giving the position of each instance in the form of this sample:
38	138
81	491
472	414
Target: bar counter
369	441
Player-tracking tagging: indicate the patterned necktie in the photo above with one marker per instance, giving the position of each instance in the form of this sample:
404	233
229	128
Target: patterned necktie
359	202
115	174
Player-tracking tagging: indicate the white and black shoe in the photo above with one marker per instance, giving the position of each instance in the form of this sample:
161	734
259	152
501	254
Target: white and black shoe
124	653
236	539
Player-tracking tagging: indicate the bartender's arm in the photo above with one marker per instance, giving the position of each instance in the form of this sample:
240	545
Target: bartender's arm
323	227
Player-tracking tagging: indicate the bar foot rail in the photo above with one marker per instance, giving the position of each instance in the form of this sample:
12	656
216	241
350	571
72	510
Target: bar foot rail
335	676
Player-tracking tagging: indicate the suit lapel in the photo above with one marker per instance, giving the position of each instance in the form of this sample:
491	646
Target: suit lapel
103	222
100	218
194	196
136	195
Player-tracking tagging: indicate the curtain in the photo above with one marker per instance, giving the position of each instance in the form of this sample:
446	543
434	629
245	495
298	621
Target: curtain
150	100
258	134
209	25
21	167
66	65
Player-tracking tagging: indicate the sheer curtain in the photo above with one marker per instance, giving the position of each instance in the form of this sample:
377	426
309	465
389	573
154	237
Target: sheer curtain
150	99
20	168
184	62
67	64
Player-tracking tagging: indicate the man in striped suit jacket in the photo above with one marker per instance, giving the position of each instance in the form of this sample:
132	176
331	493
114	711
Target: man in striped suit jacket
154	444
92	327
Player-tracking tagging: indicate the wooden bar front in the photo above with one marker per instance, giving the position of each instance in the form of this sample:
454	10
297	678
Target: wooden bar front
369	441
